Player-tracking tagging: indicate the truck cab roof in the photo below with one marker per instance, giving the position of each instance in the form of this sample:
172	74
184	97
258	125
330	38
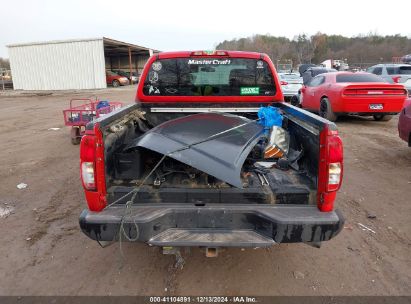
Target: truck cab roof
216	53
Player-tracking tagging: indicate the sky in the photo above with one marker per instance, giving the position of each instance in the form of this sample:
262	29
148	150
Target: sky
194	25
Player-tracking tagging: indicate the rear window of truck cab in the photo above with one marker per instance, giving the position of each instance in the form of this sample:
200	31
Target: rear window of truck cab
209	76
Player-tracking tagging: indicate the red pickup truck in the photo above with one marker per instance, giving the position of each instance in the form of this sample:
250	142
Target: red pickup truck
183	165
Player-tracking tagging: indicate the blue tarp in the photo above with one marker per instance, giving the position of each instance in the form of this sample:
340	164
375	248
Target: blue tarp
270	116
102	104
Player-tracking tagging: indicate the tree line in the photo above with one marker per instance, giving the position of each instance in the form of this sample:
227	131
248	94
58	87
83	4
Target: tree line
361	50
4	63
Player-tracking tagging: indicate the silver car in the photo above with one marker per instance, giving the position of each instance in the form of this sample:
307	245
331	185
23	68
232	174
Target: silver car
394	73
291	83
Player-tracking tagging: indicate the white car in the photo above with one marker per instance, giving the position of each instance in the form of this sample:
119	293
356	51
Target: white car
393	73
291	83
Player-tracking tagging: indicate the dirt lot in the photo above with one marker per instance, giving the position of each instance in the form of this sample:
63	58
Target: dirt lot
43	251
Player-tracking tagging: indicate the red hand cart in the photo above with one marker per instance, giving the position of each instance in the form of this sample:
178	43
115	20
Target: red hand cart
84	110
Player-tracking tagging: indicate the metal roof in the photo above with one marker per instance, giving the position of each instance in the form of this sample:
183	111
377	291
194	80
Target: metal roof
109	44
52	42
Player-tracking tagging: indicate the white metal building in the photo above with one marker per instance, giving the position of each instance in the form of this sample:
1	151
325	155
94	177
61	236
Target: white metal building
72	64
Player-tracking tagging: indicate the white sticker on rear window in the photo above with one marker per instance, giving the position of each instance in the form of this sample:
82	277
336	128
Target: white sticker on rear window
157	66
153	90
209	61
260	64
171	90
154	77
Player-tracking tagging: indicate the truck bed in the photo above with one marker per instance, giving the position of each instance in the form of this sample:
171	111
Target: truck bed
284	186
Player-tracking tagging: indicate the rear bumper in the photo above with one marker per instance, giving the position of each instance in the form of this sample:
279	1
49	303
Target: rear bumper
362	105
214	225
366	113
290	93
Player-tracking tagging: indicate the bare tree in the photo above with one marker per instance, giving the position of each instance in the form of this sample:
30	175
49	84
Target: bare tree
361	49
4	63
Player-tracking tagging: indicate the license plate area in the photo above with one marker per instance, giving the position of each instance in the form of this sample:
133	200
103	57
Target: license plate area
376	106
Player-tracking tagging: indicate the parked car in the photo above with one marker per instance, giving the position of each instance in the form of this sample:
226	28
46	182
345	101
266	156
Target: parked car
394	73
304	67
115	79
308	72
404	122
179	168
341	93
311	72
132	79
339	65
290	83
406	59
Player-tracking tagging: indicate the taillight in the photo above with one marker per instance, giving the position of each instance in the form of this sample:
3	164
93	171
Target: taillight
335	159
283	82
221	53
330	169
87	161
350	92
87	175
209	53
197	53
93	169
396	79
372	91
334	176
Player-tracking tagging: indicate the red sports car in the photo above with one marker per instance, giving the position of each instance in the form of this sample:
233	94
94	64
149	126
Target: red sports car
116	80
404	122
340	93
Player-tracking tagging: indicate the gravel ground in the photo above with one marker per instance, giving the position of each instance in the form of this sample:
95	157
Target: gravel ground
44	252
